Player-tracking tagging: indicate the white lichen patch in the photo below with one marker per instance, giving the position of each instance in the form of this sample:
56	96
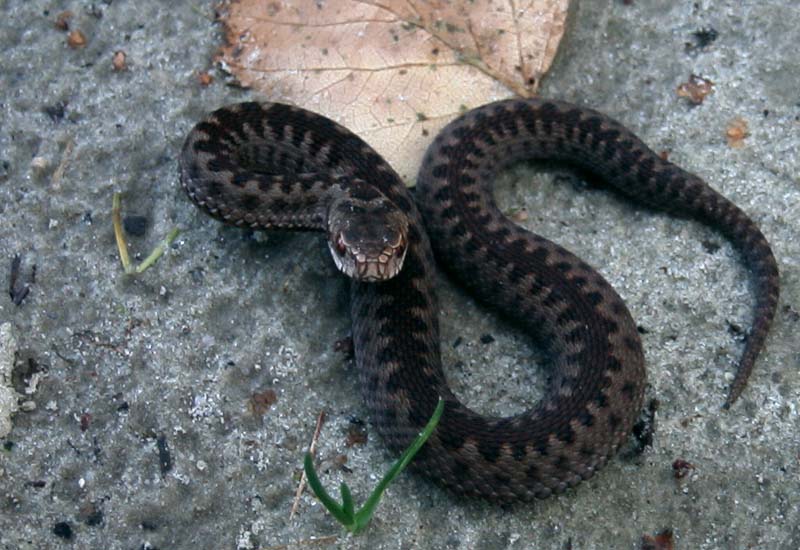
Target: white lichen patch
8	397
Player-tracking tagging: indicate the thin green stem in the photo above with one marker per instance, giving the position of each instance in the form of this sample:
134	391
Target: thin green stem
347	501
158	250
323	496
358	521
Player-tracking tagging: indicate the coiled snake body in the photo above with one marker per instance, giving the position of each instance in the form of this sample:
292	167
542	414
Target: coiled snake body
273	166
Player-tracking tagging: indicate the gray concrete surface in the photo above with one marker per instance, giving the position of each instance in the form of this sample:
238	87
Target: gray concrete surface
137	432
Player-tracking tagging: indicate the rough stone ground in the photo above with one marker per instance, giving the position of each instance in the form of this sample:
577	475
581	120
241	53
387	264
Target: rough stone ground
138	433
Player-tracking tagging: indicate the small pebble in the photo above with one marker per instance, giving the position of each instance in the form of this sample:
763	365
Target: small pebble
39	164
135	225
119	61
76	39
63	530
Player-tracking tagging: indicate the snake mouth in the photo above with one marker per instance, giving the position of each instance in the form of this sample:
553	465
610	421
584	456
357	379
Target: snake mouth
369	264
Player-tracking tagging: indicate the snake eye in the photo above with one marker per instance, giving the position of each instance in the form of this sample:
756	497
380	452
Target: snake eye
400	250
340	247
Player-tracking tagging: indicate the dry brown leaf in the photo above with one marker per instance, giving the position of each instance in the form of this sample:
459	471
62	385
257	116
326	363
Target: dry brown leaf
62	20
393	71
356	434
204	78
260	402
736	132
695	89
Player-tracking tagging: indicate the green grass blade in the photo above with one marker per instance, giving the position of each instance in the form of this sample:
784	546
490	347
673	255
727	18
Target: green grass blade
347	500
158	251
323	496
364	515
355	522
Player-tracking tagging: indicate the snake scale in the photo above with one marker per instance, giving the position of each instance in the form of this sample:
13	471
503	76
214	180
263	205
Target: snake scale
275	166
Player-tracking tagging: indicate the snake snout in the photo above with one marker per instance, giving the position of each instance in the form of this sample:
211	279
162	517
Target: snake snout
368	260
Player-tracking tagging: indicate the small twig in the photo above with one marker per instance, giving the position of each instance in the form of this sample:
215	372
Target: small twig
122	245
119	236
313	450
65	158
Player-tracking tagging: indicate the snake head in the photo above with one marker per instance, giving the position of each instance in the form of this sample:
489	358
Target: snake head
367	236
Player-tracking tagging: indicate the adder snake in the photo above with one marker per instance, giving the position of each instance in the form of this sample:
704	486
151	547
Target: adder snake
273	166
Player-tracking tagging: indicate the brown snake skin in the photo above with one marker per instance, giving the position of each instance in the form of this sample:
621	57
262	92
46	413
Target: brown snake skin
272	166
